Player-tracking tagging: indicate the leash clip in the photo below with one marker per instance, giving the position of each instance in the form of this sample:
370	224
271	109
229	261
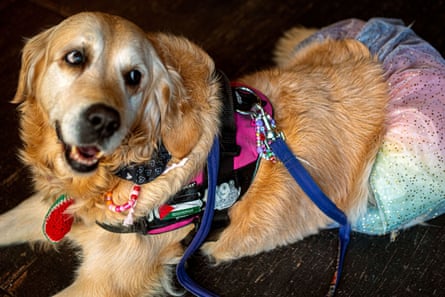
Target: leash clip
266	132
271	132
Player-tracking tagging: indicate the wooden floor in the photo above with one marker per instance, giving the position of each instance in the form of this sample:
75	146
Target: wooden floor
239	35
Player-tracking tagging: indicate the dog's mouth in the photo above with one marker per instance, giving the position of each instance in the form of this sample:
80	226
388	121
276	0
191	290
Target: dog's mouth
83	158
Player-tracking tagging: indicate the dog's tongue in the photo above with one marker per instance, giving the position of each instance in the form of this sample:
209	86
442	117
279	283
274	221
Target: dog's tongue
89	151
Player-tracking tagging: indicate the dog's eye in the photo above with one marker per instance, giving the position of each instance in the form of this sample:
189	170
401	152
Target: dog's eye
75	57
133	77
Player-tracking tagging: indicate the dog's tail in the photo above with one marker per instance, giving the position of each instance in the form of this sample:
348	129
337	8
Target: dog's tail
286	45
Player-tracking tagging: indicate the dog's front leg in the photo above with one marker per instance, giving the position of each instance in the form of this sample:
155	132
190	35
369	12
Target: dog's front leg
122	265
273	212
23	223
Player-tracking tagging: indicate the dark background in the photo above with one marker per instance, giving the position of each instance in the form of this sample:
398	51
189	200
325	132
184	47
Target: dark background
240	36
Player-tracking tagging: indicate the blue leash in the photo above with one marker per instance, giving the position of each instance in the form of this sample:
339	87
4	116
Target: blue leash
308	185
203	231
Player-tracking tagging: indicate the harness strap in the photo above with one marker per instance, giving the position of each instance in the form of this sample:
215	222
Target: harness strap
229	147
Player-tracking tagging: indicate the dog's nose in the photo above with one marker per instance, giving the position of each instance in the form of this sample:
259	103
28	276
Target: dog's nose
101	121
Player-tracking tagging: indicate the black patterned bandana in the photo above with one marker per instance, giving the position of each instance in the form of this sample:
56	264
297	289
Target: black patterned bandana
143	173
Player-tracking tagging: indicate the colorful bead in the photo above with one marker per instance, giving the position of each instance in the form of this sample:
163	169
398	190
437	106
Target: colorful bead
134	195
265	133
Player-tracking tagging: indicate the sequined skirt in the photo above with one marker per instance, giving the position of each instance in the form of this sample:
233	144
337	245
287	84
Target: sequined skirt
408	177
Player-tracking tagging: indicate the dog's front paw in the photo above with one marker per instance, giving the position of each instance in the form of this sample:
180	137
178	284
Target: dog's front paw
207	250
217	253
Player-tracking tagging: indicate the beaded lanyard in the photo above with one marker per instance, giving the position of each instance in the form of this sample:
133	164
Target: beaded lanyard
264	127
129	205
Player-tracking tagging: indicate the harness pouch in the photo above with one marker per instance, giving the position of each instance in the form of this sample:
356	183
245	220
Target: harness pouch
408	177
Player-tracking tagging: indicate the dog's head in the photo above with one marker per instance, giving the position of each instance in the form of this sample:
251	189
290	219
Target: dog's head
109	91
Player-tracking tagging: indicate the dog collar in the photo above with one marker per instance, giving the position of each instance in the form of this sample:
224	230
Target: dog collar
146	172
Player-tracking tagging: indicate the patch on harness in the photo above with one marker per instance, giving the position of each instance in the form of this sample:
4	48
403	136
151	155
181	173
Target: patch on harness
226	195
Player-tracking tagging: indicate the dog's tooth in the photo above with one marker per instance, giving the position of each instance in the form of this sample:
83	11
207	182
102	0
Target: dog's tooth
74	153
77	156
73	150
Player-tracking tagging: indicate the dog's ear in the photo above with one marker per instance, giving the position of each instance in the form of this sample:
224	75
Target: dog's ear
180	127
169	114
189	104
32	57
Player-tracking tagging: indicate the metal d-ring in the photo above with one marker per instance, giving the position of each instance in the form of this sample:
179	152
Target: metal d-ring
245	100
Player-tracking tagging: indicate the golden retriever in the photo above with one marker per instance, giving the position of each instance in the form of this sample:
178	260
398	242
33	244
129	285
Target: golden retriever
96	92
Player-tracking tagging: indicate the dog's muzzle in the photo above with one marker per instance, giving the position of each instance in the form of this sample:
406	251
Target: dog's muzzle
94	128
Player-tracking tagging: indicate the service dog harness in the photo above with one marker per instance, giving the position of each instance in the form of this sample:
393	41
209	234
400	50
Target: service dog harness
242	142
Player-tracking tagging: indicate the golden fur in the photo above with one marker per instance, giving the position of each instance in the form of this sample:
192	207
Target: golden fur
329	99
